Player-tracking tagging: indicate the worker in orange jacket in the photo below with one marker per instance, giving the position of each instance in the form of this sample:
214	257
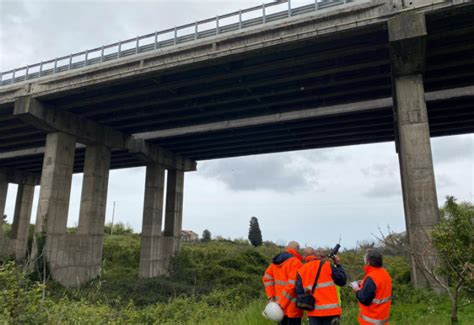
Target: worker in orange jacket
309	254
375	291
327	306
280	275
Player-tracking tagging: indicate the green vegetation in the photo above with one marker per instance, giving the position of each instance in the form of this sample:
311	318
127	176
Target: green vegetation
453	239
219	282
211	283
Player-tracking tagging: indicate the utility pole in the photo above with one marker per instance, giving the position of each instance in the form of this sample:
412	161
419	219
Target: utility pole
112	225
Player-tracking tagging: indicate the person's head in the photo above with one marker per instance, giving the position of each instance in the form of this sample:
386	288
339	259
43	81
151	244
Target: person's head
319	253
373	258
308	251
294	245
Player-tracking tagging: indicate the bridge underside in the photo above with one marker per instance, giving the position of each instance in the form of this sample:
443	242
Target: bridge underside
343	68
401	75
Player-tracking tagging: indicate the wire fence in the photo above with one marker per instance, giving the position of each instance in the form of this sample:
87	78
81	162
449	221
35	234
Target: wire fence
245	18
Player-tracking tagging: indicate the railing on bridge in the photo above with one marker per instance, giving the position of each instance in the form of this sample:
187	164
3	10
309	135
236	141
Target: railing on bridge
237	20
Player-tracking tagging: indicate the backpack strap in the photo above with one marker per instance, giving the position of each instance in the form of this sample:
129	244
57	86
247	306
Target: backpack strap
317	275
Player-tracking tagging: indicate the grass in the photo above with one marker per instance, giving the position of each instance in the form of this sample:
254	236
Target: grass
401	314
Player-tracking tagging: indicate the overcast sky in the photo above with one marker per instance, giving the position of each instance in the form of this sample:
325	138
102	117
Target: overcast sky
312	196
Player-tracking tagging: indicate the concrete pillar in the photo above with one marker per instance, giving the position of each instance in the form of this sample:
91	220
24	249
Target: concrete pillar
150	262
94	190
3	200
173	216
55	192
21	220
407	35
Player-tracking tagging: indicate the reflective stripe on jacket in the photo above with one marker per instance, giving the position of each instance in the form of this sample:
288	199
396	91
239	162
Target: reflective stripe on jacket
378	312
325	294
279	279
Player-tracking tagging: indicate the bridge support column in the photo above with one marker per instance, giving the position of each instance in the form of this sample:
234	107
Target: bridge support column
21	220
53	204
407	34
83	250
3	200
150	262
173	217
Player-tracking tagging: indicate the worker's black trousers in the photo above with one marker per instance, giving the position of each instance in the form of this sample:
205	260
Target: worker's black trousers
290	321
328	320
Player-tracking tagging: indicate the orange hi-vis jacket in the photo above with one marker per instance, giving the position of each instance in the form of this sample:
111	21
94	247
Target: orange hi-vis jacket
325	293
309	258
378	312
280	275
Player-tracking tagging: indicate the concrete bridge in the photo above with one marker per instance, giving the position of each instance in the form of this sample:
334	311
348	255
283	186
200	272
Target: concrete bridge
327	74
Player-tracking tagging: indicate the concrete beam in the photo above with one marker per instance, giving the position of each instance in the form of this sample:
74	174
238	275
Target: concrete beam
150	263
35	113
48	119
16	176
316	112
150	153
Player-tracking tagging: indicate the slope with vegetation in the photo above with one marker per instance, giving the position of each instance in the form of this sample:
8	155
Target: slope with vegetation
211	282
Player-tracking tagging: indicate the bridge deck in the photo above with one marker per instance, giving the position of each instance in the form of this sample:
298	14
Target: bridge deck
348	66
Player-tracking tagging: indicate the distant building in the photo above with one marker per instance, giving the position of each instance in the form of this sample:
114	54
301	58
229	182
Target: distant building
189	236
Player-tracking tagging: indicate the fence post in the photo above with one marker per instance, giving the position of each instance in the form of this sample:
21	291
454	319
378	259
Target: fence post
217	25
240	18
119	48
87	55
264	18
175	35
289	8
70	62
137	46
55	65
156	40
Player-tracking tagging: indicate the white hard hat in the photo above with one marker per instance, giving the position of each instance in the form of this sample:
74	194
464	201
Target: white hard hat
273	312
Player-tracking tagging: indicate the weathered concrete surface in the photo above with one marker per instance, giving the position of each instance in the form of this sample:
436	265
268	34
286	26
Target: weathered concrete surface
407	36
4	243
170	240
53	203
152	220
21	220
31	111
274	33
35	113
94	190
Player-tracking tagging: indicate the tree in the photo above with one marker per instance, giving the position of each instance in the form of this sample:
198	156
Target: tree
451	263
206	236
453	239
255	235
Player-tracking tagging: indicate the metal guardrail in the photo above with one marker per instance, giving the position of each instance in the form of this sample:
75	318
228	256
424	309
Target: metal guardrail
237	20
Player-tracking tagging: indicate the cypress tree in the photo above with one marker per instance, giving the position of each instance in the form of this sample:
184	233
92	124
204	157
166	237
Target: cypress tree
206	235
255	235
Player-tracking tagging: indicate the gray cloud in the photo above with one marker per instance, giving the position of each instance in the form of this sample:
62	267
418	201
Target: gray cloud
380	170
384	189
450	149
444	181
273	173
